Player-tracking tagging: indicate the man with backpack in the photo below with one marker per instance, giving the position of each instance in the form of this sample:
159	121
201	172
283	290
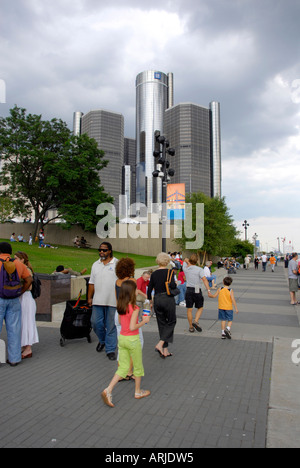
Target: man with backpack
15	279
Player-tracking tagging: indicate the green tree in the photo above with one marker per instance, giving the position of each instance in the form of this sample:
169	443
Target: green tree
219	231
241	248
6	208
47	168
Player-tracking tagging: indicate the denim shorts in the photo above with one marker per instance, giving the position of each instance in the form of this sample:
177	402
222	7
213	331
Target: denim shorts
226	315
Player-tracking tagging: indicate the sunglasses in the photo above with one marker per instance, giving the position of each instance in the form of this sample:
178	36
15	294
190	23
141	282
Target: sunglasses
103	250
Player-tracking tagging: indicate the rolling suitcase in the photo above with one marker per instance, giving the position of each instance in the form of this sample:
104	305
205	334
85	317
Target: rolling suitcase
76	322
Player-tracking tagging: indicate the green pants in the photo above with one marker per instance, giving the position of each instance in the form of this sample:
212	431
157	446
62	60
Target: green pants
130	347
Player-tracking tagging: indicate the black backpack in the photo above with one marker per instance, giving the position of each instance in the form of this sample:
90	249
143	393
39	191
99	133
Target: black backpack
36	286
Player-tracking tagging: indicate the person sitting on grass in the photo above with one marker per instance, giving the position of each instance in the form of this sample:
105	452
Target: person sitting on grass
61	270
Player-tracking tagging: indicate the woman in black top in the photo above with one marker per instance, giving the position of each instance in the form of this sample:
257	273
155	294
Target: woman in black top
164	305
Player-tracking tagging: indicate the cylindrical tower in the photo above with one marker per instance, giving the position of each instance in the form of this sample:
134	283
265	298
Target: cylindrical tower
152	96
77	116
216	165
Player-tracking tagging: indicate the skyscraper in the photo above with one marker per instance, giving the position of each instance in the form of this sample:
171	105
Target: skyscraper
154	94
107	128
194	133
216	171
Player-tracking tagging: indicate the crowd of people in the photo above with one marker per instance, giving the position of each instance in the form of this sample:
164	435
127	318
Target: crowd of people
120	304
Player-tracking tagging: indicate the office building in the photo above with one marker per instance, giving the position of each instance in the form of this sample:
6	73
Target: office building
194	133
154	94
107	128
216	176
128	175
77	117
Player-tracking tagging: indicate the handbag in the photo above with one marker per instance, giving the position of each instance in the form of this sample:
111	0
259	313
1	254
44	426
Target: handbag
171	292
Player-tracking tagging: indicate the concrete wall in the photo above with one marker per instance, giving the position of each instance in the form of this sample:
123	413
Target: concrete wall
56	235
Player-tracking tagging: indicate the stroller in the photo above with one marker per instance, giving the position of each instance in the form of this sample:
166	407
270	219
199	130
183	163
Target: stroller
231	269
76	322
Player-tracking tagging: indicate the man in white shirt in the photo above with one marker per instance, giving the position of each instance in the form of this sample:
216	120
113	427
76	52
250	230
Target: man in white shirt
264	260
101	295
212	279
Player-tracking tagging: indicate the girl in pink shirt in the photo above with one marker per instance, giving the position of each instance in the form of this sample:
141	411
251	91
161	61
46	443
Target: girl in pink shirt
129	342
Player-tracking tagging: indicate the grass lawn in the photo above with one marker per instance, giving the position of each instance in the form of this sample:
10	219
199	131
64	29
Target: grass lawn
46	260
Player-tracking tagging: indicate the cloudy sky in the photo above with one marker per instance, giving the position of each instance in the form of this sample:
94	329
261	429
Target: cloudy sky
66	55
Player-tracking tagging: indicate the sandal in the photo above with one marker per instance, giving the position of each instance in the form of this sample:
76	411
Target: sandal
142	394
107	398
160	353
196	325
191	330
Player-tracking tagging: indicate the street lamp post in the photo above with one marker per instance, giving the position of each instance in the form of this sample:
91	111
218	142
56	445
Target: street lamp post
163	170
246	225
254	241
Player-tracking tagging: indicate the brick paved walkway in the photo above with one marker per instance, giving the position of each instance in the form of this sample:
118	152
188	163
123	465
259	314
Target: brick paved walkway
211	393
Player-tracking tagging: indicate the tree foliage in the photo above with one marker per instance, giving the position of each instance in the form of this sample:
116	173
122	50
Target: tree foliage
6	208
45	168
219	231
242	248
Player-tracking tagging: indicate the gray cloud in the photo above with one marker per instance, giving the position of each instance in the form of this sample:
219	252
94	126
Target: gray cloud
61	56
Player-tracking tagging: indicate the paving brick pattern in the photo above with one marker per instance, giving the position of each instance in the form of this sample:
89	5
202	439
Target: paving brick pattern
211	393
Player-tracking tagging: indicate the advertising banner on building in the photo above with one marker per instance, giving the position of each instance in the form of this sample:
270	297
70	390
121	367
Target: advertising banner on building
176	201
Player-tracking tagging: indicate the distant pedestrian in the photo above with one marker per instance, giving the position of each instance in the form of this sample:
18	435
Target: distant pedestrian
226	303
264	261
293	278
256	263
129	343
246	262
272	262
101	295
29	335
41	238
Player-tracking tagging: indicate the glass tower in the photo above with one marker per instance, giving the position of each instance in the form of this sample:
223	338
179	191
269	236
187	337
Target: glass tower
154	94
216	170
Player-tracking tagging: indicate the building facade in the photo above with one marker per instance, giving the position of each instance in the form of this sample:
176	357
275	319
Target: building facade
128	175
107	128
194	133
215	127
154	94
